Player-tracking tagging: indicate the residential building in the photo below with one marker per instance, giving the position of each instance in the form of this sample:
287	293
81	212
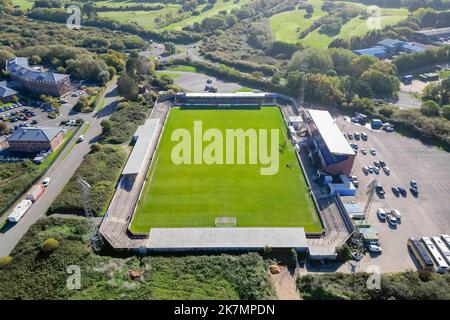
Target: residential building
37	81
34	140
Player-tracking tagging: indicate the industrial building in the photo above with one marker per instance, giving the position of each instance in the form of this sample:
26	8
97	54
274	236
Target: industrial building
36	80
34	140
327	145
432	35
388	48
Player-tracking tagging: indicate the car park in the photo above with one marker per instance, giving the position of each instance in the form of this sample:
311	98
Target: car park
381	213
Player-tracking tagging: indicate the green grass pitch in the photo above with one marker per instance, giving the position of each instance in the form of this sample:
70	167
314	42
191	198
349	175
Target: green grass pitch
190	195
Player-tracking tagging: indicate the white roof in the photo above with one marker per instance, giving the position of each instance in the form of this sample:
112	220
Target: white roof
330	132
295	119
144	135
220	238
226	95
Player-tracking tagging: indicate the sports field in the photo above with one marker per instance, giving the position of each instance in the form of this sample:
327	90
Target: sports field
194	195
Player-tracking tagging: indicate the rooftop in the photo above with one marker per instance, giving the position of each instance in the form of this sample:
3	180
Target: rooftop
222	238
5	91
20	67
434	32
374	51
226	95
332	136
144	136
391	43
34	134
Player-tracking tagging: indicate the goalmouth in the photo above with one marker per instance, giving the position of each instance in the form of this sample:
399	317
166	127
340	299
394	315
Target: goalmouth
225	222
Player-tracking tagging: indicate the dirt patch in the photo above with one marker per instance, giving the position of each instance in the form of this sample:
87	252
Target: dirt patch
284	284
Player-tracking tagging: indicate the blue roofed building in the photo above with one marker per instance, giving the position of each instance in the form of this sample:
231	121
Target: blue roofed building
377	52
388	48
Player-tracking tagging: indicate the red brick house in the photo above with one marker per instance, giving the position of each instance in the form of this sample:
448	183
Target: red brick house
35	139
36	81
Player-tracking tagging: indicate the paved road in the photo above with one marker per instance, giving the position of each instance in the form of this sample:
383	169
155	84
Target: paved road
60	172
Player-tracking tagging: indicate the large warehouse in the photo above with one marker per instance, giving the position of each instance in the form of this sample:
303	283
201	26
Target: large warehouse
432	35
328	145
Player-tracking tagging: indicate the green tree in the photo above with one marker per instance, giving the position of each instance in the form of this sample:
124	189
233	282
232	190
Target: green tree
316	60
127	87
106	126
430	109
446	112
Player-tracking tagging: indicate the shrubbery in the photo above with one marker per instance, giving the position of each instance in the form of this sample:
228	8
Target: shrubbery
101	169
400	286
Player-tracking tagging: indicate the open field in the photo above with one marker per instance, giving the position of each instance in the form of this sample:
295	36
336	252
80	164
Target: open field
287	26
149	19
188	195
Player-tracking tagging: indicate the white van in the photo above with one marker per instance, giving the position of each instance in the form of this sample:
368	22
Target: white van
381	213
396	213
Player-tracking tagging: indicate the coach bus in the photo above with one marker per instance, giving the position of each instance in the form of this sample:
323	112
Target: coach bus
439	263
442	247
446	239
421	254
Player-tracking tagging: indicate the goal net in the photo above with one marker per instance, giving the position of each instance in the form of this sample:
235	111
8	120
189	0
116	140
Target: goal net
225	222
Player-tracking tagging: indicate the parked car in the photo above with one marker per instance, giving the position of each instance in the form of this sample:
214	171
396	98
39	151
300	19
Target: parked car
413	183
365	170
395	190
376	170
376	164
357	256
363	151
381	214
402	191
372	151
396	214
364	136
392	220
386	170
380	190
375	248
370	169
350	136
414	191
356	134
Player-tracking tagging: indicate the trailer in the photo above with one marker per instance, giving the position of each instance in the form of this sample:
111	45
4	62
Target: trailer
35	192
19	211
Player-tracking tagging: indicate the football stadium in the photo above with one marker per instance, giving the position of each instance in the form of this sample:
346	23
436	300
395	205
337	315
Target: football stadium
203	195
